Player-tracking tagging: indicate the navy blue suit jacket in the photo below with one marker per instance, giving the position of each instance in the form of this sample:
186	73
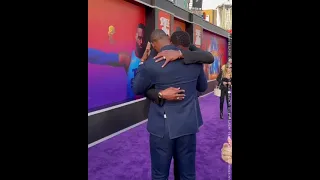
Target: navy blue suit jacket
183	117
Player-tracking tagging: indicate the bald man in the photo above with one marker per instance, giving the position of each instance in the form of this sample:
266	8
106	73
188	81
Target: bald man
174	125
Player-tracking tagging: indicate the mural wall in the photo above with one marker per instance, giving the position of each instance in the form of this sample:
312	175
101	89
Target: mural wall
164	21
115	46
218	46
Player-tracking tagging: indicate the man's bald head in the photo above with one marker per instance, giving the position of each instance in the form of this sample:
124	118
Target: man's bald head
159	39
158	34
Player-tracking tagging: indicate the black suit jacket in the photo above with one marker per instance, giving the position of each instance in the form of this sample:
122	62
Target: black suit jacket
191	56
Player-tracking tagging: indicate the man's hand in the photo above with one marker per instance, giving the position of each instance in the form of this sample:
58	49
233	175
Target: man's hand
224	83
173	94
226	151
146	52
168	55
229	83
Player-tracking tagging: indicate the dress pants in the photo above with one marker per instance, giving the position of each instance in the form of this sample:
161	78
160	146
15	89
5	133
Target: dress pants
163	149
176	168
224	94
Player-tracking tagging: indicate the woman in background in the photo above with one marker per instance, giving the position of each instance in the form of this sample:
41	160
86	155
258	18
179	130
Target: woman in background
224	79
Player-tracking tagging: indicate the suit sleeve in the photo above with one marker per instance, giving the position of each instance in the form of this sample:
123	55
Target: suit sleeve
202	83
196	55
192	47
142	81
152	94
99	57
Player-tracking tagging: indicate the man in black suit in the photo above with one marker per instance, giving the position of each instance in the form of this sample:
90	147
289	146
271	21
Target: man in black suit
173	126
189	56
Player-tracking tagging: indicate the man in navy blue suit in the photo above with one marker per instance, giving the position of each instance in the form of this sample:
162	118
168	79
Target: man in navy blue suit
174	125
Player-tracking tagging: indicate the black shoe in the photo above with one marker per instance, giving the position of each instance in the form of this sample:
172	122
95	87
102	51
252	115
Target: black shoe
221	115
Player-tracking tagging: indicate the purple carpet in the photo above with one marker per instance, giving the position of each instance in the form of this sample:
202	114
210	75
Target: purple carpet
127	157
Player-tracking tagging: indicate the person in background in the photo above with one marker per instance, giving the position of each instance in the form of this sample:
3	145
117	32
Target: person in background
224	79
226	151
171	132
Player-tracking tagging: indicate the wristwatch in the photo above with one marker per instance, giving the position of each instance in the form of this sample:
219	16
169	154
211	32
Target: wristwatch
180	54
141	63
160	99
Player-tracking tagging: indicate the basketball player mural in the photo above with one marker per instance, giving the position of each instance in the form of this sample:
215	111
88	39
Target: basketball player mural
214	68
129	62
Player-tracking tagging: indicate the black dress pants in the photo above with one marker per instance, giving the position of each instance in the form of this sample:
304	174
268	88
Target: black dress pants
175	168
224	95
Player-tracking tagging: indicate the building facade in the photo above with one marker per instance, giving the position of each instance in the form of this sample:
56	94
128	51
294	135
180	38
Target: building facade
211	16
184	4
224	16
221	16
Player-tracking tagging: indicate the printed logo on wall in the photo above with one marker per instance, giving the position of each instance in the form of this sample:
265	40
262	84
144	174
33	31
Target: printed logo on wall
197	35
164	22
198	38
